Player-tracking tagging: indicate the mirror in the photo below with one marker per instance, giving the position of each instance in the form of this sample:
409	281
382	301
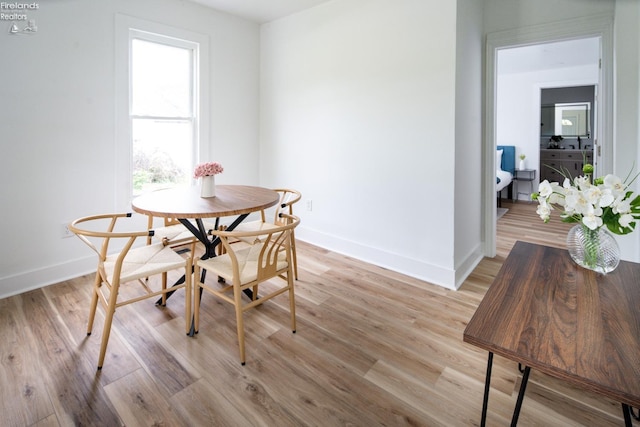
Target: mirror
566	119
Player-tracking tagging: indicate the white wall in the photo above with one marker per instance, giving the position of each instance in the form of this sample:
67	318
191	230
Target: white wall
468	145
358	112
502	15
627	106
57	107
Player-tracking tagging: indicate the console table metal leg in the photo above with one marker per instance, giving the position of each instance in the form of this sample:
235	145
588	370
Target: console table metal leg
626	411
523	387
487	384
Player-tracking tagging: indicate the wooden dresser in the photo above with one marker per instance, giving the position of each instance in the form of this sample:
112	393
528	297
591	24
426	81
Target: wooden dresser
568	161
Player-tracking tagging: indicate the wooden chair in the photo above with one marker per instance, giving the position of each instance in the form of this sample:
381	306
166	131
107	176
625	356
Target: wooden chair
128	265
288	198
245	266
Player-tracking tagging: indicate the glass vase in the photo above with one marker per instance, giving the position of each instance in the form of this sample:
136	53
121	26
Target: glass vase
596	249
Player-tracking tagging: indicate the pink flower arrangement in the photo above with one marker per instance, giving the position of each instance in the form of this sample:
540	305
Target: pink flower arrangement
208	169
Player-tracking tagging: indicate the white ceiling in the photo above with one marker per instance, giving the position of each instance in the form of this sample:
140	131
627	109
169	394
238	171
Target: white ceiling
260	11
563	54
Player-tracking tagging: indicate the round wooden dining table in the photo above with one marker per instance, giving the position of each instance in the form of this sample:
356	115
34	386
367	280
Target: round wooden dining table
186	205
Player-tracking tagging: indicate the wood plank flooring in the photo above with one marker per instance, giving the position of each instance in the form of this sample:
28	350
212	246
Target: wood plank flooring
372	348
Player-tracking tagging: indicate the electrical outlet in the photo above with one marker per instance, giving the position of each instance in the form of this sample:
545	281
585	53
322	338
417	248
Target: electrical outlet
309	205
64	230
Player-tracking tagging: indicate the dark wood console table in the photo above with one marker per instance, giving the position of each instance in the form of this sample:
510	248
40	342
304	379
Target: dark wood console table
547	313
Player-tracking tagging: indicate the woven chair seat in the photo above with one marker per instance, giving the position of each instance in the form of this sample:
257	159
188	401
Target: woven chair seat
143	262
247	264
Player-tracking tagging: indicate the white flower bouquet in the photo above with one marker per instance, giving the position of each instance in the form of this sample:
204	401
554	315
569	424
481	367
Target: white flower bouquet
605	201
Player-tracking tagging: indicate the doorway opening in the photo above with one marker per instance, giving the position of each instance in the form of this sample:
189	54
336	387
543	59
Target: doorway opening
534	84
519	66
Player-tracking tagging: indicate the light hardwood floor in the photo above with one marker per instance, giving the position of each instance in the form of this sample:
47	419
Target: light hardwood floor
373	348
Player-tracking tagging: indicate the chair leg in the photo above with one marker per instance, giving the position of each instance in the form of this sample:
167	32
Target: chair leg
106	331
196	298
294	255
164	289
292	301
94	302
188	294
239	322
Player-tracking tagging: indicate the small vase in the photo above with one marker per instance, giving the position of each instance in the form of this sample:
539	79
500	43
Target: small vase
522	165
595	250
208	187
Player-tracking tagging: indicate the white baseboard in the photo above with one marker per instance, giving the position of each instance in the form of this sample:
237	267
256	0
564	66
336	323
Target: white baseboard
447	278
470	263
434	274
35	279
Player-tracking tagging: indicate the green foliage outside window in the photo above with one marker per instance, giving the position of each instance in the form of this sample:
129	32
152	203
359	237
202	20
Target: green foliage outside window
155	170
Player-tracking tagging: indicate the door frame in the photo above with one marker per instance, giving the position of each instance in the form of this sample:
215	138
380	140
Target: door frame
594	26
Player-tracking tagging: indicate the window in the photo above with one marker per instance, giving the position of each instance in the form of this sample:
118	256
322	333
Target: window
163	134
161	106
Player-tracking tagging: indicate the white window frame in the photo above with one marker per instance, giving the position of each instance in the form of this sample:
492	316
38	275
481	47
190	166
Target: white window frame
128	28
